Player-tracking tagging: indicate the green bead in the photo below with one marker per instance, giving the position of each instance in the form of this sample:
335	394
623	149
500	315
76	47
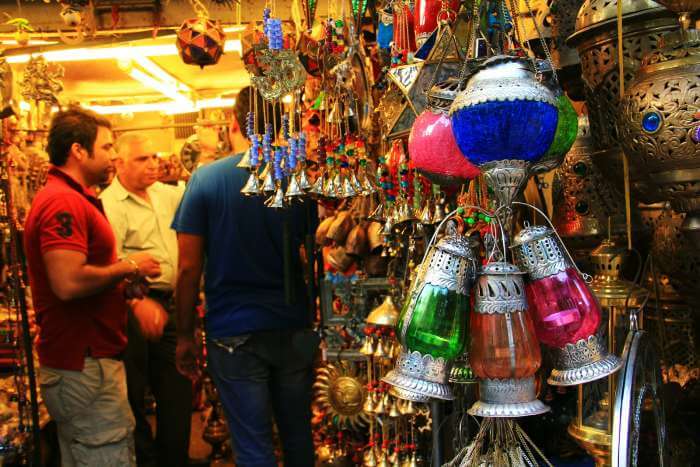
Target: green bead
481	216
487	219
460	211
339	23
471	220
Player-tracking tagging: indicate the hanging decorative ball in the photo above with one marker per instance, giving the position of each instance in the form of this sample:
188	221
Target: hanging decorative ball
434	153
504	113
200	41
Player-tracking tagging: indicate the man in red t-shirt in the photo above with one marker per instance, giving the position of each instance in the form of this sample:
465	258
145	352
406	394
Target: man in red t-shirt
76	282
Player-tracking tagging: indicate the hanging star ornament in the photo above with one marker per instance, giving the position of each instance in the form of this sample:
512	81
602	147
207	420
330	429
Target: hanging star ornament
406	97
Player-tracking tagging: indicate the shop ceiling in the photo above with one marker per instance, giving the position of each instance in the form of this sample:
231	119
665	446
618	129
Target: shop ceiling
128	26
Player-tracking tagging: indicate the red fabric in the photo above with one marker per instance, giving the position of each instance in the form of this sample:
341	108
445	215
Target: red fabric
66	216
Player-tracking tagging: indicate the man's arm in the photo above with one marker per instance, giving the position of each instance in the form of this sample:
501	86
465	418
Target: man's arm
189	272
70	277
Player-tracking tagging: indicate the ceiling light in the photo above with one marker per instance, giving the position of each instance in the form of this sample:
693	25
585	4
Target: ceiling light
159	73
168	107
167	89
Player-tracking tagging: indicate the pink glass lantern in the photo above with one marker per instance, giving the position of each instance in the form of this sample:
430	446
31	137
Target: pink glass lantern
565	311
434	153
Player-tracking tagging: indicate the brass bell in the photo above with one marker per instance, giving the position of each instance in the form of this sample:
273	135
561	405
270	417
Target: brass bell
382	462
304	183
244	163
385	314
394	410
277	201
426	216
408	408
330	187
379	349
394	460
268	182
252	186
369	459
367	347
368	406
406	462
356	185
414	460
366	182
379	407
319	183
378	214
293	189
347	191
439	215
405	213
388	224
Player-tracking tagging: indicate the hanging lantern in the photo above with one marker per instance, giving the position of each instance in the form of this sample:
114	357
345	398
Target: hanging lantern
504	120
504	351
432	328
564	310
659	124
200	41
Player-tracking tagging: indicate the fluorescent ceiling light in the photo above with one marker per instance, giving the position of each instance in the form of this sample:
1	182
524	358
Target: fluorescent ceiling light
159	73
167	89
31	42
110	53
168	107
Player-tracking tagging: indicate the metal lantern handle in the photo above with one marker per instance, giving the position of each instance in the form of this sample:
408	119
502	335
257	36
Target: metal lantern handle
586	277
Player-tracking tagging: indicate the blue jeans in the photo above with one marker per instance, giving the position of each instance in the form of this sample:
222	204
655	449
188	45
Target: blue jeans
264	375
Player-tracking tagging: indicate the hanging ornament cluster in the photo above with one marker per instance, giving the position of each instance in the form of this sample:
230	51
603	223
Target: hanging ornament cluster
200	40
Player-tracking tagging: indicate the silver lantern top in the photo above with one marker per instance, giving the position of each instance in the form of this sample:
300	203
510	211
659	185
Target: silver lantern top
537	250
500	289
450	264
503	78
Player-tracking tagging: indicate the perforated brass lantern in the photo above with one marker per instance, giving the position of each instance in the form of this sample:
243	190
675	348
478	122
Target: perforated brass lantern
433	325
504	353
564	310
659	124
644	22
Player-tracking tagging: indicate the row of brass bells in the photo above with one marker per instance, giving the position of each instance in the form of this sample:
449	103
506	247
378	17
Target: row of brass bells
380	350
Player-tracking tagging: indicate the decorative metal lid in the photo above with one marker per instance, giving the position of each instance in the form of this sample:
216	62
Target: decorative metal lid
442	95
451	264
500	289
538	251
608	285
598	14
503	78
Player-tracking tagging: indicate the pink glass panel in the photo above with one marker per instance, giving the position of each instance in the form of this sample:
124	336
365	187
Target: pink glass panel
563	308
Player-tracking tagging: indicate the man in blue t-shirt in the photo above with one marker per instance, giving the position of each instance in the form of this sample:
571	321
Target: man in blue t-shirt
260	348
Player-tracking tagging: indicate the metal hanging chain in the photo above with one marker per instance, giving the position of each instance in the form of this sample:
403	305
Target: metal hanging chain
545	47
471	46
199	8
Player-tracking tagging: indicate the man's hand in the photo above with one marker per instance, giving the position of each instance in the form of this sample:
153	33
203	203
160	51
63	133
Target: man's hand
187	358
147	264
151	317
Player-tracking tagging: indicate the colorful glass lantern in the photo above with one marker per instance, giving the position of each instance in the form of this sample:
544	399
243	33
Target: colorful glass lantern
565	311
432	328
505	120
504	113
434	152
200	41
504	351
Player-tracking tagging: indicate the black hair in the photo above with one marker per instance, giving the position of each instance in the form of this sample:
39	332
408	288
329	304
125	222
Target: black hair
74	125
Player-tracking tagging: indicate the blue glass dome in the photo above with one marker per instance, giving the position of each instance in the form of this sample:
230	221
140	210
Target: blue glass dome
498	130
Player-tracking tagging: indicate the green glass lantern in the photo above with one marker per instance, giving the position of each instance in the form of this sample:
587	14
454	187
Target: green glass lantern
433	325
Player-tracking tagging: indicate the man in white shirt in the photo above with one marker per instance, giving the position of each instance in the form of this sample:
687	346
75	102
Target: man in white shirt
140	210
